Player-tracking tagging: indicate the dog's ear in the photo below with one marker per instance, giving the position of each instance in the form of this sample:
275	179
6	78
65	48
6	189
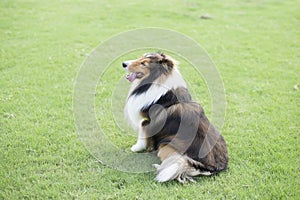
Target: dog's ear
166	61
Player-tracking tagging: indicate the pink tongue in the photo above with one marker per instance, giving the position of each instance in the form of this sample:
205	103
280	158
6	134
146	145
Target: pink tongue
131	76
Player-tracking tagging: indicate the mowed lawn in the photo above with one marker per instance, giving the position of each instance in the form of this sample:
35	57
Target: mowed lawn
254	44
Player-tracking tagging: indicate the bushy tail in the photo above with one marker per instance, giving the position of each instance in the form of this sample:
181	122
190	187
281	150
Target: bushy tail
180	167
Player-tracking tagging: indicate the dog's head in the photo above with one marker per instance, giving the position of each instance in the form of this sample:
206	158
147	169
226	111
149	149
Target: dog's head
150	64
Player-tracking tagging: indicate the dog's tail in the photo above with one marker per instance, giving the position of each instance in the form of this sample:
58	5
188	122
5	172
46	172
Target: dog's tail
180	167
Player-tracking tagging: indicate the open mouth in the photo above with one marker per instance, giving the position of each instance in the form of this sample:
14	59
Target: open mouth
134	75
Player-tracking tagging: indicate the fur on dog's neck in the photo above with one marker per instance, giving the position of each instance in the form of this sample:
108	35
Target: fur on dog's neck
145	93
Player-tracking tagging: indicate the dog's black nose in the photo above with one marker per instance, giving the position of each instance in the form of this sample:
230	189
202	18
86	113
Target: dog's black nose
124	64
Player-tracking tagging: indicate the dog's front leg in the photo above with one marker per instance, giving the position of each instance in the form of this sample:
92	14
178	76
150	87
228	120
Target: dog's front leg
141	141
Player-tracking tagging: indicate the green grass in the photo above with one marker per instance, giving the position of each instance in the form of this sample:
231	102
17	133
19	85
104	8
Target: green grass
255	45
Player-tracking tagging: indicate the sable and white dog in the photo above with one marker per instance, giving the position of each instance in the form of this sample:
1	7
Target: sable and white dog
160	107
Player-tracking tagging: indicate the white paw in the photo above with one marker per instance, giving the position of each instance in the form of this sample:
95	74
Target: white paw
138	147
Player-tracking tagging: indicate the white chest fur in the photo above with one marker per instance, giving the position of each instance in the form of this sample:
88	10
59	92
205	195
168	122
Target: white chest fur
136	102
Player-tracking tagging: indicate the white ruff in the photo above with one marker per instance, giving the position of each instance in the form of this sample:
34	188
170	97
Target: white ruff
136	102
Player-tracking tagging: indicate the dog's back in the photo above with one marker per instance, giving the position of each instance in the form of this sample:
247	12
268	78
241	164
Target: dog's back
180	124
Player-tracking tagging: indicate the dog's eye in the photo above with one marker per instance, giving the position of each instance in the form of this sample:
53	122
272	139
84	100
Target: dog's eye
143	63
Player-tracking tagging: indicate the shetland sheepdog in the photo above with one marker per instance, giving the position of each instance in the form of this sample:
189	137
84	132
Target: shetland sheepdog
160	107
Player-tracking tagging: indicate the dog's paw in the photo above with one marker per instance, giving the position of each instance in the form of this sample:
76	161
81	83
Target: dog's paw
137	148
